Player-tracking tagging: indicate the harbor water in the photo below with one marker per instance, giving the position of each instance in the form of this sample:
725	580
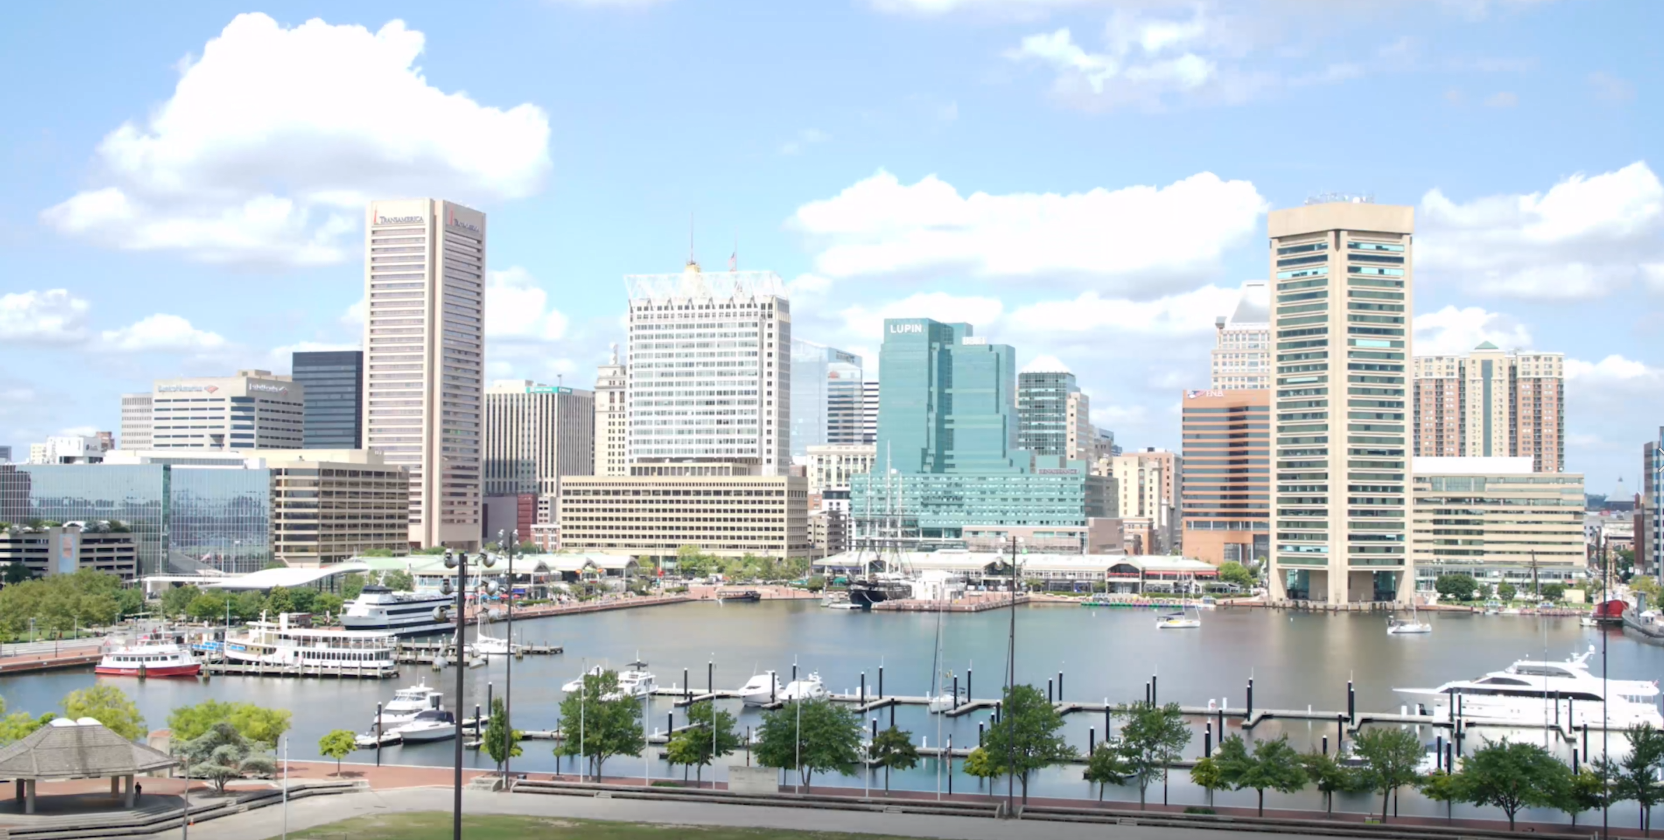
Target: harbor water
1295	659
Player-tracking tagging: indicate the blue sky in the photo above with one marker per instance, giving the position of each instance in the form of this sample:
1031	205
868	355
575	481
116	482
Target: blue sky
1082	179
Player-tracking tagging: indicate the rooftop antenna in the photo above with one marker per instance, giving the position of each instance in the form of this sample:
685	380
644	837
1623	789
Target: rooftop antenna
690	238
734	258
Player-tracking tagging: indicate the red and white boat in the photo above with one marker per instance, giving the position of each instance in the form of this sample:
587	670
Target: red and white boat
152	660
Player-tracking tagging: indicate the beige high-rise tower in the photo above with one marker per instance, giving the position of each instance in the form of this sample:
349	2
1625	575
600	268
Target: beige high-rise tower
612	418
424	343
1492	404
1340	327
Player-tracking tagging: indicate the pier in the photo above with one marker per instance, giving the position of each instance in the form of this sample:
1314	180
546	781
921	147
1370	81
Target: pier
261	669
423	653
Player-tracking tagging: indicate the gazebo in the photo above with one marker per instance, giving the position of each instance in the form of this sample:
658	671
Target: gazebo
78	749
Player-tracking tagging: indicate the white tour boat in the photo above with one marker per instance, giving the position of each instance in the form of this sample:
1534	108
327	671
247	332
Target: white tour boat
808	688
164	659
431	725
1521	694
268	643
761	689
400	613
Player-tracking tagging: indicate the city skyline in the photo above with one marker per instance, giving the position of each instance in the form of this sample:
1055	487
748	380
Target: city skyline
1497	260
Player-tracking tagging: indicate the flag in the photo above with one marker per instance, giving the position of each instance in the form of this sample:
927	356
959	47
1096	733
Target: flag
734	261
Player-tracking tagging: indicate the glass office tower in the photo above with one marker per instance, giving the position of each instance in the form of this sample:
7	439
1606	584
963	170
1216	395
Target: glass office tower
334	412
184	518
826	396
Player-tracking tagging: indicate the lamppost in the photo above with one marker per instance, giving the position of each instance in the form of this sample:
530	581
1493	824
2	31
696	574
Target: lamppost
509	540
460	562
1011	686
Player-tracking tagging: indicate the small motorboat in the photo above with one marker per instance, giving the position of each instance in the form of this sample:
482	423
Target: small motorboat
635	683
407	703
761	689
808	688
431	725
943	702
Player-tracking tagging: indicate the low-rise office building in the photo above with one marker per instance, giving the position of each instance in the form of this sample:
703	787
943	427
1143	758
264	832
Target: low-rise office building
654	515
328	505
71	547
1483	515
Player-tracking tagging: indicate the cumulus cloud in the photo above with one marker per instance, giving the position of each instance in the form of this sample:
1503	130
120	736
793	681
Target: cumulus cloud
1586	237
1612	369
276	137
53	316
1092	314
516	307
161	332
1149	237
868	322
1453	330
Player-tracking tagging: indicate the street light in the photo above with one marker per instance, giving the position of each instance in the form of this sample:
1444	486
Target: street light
460	562
509	540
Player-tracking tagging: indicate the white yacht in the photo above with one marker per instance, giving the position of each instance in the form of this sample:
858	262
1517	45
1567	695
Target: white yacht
431	725
808	688
486	644
407	703
573	686
400	613
761	689
266	643
1521	694
636	683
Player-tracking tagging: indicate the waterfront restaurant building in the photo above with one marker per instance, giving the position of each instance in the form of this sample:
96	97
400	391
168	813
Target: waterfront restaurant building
1496	519
1115	573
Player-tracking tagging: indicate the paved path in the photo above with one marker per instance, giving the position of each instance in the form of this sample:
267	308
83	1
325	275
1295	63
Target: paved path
306	813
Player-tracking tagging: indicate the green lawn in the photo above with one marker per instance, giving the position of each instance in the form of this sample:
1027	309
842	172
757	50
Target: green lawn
437	826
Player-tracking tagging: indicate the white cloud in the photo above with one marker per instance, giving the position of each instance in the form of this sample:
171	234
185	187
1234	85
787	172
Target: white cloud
53	316
161	332
1610	88
805	138
356	313
1584	238
281	359
1092	314
1141	236
1046	363
1610	370
516	307
1502	99
942	306
1451	330
1145	62
1022	8
275	138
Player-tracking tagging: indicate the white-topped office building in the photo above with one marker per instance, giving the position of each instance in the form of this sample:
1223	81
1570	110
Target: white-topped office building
256	409
424	346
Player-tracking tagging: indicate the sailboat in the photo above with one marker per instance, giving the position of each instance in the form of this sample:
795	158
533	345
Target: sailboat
942	699
1400	627
1180	620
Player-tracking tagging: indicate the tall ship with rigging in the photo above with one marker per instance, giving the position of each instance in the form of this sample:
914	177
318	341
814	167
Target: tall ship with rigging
400	613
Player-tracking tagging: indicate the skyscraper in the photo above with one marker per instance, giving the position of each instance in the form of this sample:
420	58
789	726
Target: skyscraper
1226	492
334	382
612	418
424	342
1343	278
869	411
1491	404
534	435
253	410
1045	389
826	393
710	369
1242	345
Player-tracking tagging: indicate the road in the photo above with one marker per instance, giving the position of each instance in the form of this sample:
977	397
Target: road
321	810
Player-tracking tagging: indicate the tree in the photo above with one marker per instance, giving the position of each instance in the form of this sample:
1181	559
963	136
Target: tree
1553	591
248	606
399	581
377	552
17	572
18	725
1443	786
608	722
1456	587
1206	775
893	748
1512	776
108	705
979	766
221	755
328	603
278	602
1274	765
1329	777
1152	738
500	743
337	744
177	599
815	583
1646	586
1505	591
1107	766
352	585
1390	759
1634	778
1586	790
304	599
130	602
695	746
255	723
206	606
1027	736
810	735
1234	572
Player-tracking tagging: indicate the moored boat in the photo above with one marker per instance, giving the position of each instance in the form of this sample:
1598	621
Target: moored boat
149	660
1520	694
400	613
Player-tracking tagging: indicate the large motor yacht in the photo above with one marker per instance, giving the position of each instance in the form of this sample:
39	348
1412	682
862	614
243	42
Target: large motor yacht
1526	693
400	613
